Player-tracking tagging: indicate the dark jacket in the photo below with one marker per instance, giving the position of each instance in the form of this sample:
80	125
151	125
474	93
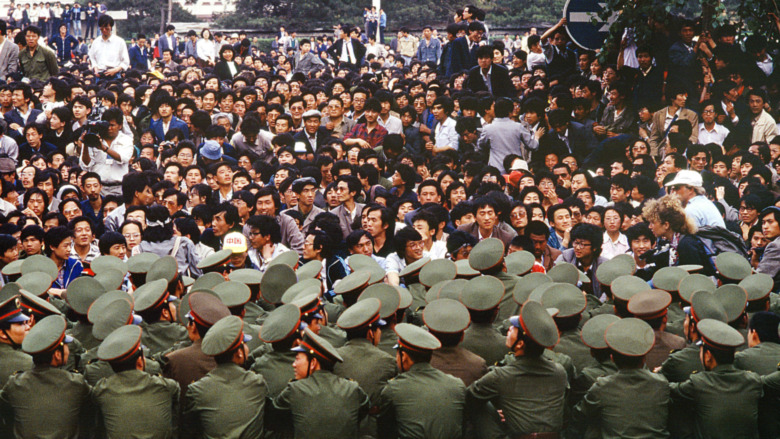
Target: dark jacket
322	135
222	70
157	127
461	58
499	79
139	58
360	51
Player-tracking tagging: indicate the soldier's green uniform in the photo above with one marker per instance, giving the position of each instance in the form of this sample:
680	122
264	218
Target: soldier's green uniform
133	403
447	319
651	306
725	399
12	359
632	403
229	401
150	300
487	257
570	303
323	405
280	329
81	293
593	337
481	297
405	410
530	390
47	402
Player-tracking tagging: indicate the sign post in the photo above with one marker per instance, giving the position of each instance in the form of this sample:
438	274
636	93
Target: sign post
582	29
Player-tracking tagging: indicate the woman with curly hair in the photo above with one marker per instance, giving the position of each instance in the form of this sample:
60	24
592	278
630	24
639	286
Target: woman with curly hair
676	233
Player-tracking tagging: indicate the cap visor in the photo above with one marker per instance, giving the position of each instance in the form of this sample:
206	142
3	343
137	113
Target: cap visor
137	319
381	322
247	338
68	339
21	318
515	321
298	349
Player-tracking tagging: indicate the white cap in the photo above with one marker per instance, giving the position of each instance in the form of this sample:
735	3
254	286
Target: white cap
521	166
236	242
686	177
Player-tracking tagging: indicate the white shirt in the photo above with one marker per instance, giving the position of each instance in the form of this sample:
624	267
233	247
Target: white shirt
347	52
717	135
205	49
610	249
446	134
108	54
536	60
393	124
766	66
109	169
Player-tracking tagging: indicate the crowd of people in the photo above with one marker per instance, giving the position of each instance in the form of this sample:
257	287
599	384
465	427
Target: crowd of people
430	238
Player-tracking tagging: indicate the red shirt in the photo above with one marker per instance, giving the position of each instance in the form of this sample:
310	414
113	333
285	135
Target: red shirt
374	138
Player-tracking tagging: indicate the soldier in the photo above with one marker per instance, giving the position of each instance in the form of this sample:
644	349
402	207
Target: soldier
132	400
570	303
669	280
407	411
80	295
229	401
608	405
281	330
235	295
651	306
487	257
724	398
155	304
322	404
251	278
362	360
410	277
593	337
447	319
190	364
14	327
530	389
395	301
48	401
482	296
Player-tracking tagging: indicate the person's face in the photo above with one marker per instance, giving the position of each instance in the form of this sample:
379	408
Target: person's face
756	104
82	234
659	229
586	198
301	366
617	194
139	216
309	252
680	100
220	225
282	126
550	160
33	137
612	221
578	182
428	194
265	206
71	210
208	101
747	214
371	116
335	109
257	240
224	176
641	245
770	227
583	249
486	217
720	169
342	189
414	250
519	217
616	168
758	240
311	124
562	221
32	40
562	174
699	162
686	34
10	255
17	332
36	204
62	251
105	30
423	229
708	114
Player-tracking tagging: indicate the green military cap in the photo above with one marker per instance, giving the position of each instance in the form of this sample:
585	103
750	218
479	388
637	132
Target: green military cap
624	287
593	330
215	259
519	263
360	262
464	270
187	281
650	304
313	344
668	278
482	293
309	270
486	254
40	264
693	283
13	268
415	267
538	292
628	259
281	323
111	279
364	313
691	268
415	339
164	268
108	262
733	266
183	307
209	281
406	298
309	304
119	313
536	322
389	297
564	272
233	294
288	258
527	284
151	295
437	271
82	292
377	274
121	344
614	268
353	283
33	305
446	316
734	300
719	335
757	285
226	335
142	262
276	280
630	337
704	305
102	303
9	290
305	286
567	298
47	335
35	283
434	291
10	311
449	289
247	276
206	309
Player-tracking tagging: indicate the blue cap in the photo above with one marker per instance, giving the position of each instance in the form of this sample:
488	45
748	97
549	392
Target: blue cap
211	150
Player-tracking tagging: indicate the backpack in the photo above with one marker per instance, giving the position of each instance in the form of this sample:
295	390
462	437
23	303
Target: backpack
719	240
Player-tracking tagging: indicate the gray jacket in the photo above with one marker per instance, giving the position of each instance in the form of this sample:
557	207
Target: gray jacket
568	256
186	255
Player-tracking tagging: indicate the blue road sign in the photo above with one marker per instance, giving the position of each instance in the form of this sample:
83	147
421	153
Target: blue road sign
580	26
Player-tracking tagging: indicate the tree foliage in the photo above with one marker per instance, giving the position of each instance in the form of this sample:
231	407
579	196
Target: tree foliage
143	16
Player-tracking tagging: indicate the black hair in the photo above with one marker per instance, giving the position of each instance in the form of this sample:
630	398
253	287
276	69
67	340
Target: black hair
54	237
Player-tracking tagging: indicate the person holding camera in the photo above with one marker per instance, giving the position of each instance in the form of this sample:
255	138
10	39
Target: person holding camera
106	151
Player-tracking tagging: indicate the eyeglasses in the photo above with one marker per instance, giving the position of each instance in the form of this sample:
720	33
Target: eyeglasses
414	245
581	244
132	235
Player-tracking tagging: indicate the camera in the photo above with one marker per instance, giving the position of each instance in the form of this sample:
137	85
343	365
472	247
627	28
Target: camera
94	131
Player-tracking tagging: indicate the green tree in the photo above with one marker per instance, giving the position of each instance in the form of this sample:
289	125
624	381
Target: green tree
143	16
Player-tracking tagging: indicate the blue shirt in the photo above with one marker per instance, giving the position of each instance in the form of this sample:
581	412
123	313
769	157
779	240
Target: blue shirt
704	212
